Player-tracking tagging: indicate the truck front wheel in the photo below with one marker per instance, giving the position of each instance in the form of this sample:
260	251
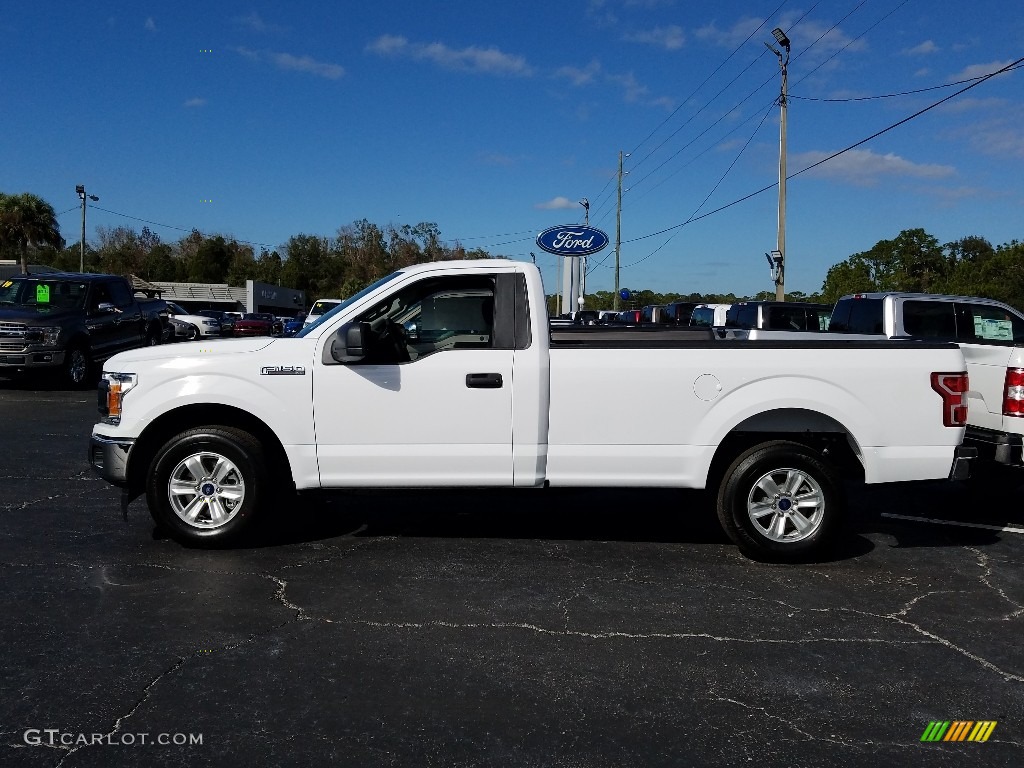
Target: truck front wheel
205	485
76	366
780	502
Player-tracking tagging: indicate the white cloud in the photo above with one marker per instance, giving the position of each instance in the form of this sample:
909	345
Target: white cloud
980	70
632	89
196	102
307	64
254	22
670	38
578	76
150	24
865	168
473	58
922	49
294	63
831	40
557	203
388	45
729	38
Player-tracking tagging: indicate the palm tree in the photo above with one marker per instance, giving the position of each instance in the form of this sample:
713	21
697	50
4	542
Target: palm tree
27	219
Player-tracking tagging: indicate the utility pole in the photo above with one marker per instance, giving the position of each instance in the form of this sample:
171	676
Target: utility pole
583	259
80	189
618	236
780	270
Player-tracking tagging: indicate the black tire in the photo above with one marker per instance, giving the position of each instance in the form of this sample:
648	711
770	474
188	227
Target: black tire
77	369
780	502
232	484
152	338
192	333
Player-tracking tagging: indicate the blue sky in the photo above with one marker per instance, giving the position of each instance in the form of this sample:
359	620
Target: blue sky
261	121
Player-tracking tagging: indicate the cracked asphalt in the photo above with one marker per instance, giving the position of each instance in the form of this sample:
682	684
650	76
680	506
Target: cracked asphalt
531	628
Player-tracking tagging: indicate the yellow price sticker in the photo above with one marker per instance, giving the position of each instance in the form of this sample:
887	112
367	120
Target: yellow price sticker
8	284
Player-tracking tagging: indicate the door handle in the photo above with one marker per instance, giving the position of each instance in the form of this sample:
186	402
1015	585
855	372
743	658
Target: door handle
483	380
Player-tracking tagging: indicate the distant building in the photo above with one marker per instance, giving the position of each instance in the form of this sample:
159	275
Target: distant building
254	297
12	268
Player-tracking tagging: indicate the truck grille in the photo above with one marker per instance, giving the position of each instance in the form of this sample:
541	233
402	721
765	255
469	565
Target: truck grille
12	337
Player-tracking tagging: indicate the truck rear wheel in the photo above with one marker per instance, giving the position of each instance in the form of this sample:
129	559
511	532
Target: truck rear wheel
205	485
780	502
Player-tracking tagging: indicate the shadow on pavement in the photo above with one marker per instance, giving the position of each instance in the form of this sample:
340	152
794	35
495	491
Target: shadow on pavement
586	514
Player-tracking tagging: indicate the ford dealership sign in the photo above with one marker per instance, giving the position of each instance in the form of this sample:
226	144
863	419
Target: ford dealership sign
572	240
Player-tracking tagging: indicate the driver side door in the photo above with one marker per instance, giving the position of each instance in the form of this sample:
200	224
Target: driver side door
431	405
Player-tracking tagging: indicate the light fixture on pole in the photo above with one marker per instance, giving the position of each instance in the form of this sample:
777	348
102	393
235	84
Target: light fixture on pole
80	189
780	271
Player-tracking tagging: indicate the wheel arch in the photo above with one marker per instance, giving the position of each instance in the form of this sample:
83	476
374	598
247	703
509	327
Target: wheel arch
175	421
814	430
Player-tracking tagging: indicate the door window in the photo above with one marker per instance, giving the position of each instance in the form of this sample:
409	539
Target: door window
929	319
433	315
985	322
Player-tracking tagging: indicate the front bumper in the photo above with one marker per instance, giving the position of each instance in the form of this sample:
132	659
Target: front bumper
1000	447
108	458
49	358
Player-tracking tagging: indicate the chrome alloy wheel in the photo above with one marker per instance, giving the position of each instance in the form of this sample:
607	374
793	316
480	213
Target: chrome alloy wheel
206	490
786	505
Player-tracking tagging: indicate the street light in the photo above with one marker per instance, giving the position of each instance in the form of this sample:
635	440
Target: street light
780	271
80	189
780	36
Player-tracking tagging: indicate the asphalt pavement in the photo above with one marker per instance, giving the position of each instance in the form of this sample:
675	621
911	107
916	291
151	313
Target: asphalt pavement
531	628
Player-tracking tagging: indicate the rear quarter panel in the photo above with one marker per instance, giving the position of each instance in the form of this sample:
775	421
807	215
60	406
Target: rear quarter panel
656	416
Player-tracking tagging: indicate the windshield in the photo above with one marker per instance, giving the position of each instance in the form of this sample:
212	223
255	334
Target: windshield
346	303
42	294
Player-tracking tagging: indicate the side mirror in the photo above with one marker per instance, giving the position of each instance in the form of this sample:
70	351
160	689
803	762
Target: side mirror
349	342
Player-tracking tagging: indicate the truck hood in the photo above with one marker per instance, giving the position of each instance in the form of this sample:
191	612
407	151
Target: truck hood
37	315
200	349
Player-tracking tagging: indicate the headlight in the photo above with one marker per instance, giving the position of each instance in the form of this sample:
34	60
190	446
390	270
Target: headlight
47	335
112	389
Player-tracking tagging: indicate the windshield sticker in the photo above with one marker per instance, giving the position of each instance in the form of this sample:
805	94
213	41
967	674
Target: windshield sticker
8	284
42	294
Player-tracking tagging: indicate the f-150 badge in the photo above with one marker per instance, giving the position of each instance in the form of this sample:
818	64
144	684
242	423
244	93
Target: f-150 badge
282	370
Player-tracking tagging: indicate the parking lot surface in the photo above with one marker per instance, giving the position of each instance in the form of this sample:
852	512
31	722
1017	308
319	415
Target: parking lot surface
530	628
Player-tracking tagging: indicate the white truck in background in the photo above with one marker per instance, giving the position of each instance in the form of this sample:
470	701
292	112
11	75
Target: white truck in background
991	335
447	374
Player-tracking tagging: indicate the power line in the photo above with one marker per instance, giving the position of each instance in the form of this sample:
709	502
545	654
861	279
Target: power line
894	95
180	229
979	81
697	89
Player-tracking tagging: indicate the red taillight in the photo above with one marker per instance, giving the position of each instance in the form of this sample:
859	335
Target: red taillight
1013	392
952	387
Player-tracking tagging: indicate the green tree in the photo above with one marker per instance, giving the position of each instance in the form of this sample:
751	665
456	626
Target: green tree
25	220
211	262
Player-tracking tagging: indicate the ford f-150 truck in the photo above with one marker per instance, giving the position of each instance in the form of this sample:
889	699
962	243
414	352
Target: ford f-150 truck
448	374
69	323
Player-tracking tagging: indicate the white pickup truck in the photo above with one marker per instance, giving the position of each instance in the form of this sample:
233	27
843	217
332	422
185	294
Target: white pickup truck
447	374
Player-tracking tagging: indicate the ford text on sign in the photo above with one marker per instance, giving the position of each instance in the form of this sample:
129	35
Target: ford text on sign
573	240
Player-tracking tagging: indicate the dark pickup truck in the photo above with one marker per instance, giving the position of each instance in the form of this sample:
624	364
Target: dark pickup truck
68	323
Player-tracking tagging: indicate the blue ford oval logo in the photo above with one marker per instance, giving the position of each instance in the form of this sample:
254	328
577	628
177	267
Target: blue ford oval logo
572	240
